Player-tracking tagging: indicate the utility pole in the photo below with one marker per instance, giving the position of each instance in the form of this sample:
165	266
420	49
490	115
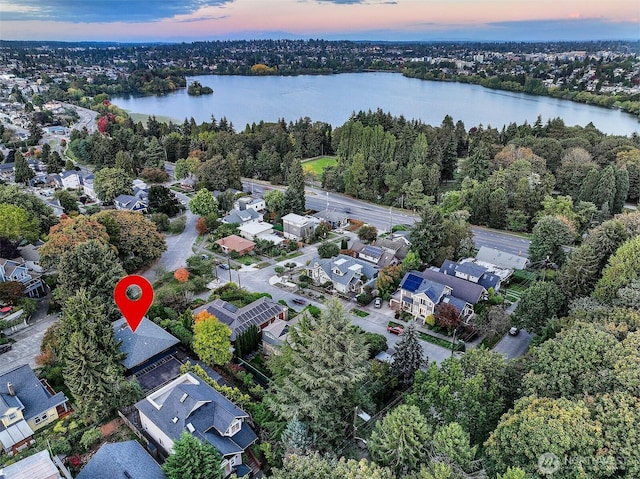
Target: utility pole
390	221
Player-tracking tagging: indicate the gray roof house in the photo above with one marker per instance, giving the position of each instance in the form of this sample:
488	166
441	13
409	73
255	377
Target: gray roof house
296	227
130	203
502	259
260	313
26	405
127	460
188	404
335	219
374	254
419	295
242	216
147	345
28	274
347	274
471	271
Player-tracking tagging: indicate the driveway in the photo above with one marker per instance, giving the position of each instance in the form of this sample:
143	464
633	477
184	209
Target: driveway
514	346
27	345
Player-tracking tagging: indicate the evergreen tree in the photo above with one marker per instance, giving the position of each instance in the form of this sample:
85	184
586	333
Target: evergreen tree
21	168
316	376
294	196
95	378
401	440
193	459
622	190
605	190
498	205
550	234
408	357
95	267
453	442
296	438
428	235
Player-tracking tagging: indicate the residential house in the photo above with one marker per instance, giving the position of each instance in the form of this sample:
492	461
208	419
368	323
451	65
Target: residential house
77	180
30	276
298	227
261	313
474	272
188	404
274	336
26	405
501	259
125	459
148	345
472	293
374	254
242	217
6	170
399	246
419	295
335	219
347	274
55	205
252	230
250	203
71	179
88	188
130	203
236	243
36	466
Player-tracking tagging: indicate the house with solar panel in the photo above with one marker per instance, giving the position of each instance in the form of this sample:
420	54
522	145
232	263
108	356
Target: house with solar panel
420	293
346	274
188	404
261	313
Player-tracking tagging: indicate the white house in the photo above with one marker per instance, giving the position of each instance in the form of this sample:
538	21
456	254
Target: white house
298	227
252	230
188	404
250	203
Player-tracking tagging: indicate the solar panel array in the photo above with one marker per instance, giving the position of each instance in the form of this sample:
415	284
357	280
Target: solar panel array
411	282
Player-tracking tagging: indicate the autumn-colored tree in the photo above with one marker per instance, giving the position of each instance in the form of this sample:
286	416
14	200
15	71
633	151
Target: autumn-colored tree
211	339
201	226
67	234
388	279
182	275
135	237
447	316
11	291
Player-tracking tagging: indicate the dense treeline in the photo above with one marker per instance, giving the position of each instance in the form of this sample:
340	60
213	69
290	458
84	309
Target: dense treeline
506	178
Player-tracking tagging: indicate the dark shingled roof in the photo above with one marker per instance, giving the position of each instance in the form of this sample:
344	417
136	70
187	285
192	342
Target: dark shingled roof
29	390
148	340
240	319
465	290
122	460
208	412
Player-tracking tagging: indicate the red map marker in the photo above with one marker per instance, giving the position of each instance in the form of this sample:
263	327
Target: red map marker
133	310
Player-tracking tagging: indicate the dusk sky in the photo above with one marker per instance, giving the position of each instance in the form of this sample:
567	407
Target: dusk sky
189	20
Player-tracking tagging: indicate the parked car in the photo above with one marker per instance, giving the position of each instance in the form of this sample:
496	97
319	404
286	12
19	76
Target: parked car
204	256
514	331
299	301
224	266
395	329
378	302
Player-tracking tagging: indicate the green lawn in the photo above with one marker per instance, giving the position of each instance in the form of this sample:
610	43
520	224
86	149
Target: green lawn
316	166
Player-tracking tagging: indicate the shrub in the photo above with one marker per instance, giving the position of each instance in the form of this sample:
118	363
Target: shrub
430	320
376	342
364	298
279	270
177	226
303	278
181	275
314	311
161	220
90	437
201	226
60	446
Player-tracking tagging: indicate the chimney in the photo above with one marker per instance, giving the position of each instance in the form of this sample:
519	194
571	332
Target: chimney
12	391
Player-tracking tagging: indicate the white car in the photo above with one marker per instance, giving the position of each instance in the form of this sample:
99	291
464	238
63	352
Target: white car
514	331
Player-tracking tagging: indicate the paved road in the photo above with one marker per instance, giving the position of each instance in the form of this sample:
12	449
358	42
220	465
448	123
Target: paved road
382	217
179	247
514	346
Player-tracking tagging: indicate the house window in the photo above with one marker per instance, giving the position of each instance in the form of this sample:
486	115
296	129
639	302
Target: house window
235	427
12	416
39	419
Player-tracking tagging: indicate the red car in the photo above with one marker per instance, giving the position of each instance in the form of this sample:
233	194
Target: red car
395	329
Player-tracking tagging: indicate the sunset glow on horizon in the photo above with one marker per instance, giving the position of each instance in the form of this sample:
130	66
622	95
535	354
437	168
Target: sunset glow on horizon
149	20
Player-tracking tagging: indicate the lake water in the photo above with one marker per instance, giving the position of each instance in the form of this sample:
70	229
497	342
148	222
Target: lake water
332	98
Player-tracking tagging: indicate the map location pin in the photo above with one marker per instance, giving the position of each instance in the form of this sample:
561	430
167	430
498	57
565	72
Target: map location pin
133	310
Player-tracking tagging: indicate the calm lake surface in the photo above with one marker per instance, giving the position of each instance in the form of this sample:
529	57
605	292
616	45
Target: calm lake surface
332	98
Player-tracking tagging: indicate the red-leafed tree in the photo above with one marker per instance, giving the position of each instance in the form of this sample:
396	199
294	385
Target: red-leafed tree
447	316
201	226
182	275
